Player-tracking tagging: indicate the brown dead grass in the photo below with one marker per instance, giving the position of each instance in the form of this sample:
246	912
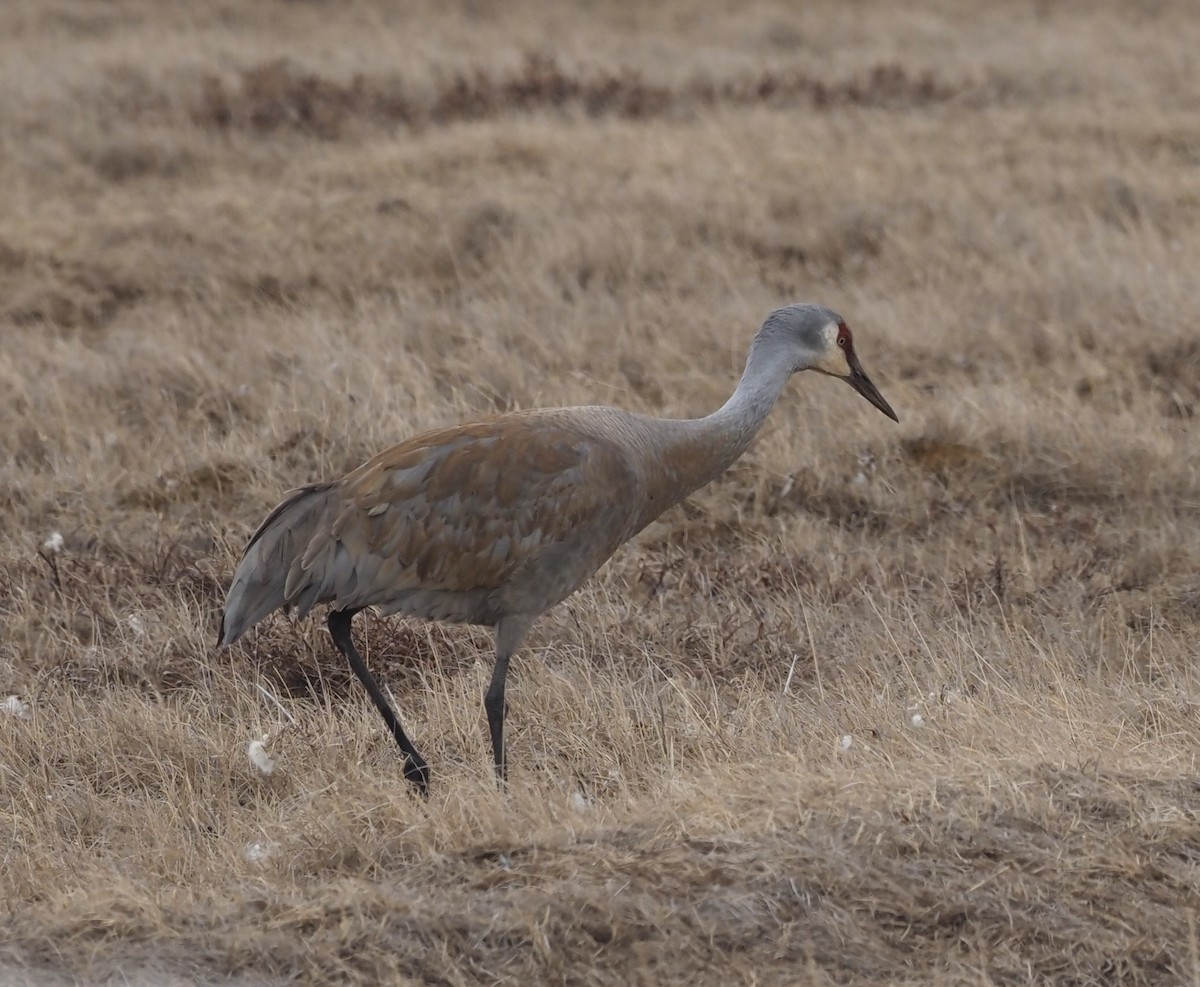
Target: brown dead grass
277	94
246	245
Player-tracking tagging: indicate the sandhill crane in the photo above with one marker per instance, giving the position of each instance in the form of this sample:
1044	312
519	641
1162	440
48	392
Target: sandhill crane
496	521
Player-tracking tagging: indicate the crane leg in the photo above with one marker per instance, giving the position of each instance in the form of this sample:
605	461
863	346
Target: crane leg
493	702
509	634
415	768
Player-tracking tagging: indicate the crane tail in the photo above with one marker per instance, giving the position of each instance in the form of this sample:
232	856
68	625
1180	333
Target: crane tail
269	575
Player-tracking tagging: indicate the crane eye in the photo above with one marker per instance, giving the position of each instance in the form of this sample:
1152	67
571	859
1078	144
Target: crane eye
842	341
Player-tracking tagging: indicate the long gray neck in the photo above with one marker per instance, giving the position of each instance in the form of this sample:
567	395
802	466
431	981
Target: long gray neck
689	453
765	376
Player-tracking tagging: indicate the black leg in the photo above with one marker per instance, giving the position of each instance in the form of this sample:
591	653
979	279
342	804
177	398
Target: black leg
493	702
509	634
415	768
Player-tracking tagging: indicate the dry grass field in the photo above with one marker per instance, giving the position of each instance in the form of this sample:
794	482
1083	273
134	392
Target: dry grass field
911	704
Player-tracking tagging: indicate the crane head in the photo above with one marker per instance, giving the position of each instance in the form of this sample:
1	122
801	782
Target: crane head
818	339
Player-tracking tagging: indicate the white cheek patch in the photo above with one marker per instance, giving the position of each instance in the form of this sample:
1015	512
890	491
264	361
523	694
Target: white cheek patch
834	360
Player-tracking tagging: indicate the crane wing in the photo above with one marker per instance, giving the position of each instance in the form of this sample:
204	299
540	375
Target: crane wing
463	510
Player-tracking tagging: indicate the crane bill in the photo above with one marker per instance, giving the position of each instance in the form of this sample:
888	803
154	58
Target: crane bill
862	383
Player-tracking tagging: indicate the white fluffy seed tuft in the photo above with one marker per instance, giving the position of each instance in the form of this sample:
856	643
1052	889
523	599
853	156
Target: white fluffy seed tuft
16	706
53	543
256	751
259	853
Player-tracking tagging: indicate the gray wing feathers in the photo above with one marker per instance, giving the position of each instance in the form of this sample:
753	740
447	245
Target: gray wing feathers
512	513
